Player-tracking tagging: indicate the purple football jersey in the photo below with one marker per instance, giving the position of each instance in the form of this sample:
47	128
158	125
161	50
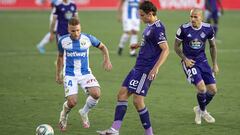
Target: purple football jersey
150	51
194	40
212	4
64	12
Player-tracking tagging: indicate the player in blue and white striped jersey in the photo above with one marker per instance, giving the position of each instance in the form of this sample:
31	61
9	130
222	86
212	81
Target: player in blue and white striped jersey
129	16
73	59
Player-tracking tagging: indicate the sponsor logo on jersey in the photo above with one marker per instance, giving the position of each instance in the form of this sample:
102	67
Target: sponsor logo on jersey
196	44
76	54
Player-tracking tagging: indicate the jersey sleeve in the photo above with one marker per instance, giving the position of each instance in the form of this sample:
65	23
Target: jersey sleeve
160	35
179	34
211	34
94	41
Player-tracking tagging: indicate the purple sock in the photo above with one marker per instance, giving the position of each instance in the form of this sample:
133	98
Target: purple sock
149	131
144	116
201	97
209	97
120	112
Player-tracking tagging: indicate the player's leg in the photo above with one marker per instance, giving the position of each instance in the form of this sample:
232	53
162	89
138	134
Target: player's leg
207	15
43	43
92	88
211	91
135	27
120	111
71	90
139	104
125	36
91	102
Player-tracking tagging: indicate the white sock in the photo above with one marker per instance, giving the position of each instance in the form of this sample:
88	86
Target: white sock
134	39
90	103
123	40
44	41
66	109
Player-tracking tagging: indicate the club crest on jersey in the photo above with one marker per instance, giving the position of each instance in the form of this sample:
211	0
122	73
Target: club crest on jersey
83	43
203	35
196	44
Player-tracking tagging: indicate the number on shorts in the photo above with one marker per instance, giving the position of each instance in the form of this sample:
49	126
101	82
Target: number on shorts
191	71
70	83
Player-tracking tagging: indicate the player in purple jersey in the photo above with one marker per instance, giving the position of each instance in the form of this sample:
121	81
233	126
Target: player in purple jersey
46	39
62	12
73	60
153	53
212	12
193	36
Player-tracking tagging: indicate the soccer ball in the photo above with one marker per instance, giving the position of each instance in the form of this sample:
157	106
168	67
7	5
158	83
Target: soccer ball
44	129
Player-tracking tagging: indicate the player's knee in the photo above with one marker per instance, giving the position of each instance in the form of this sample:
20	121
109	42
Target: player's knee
95	93
72	103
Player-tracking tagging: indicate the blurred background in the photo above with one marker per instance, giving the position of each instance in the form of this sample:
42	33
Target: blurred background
29	95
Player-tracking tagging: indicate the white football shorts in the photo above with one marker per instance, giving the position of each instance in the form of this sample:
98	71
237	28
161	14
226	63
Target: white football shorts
71	83
131	24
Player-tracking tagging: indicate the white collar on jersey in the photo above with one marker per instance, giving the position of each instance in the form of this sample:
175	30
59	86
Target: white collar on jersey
154	22
196	28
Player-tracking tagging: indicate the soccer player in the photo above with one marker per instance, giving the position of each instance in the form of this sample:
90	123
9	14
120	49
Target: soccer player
63	11
46	38
193	36
212	12
73	59
129	17
152	54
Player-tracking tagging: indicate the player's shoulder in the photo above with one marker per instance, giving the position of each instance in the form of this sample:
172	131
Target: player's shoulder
64	38
186	25
206	25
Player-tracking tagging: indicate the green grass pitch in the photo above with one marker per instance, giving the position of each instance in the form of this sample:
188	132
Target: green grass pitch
29	95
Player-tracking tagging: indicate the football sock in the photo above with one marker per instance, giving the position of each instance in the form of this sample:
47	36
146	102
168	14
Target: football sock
209	97
123	40
90	103
44	41
66	109
120	112
134	39
144	116
201	97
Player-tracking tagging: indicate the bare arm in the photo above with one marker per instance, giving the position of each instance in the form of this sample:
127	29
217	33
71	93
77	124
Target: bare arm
106	59
52	26
178	50
119	11
59	68
213	52
163	56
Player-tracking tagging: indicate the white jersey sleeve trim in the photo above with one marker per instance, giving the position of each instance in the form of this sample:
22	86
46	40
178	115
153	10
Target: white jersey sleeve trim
178	39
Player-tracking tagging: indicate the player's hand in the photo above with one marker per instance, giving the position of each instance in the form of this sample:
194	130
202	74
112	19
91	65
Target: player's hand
152	74
134	46
215	69
107	65
189	62
59	79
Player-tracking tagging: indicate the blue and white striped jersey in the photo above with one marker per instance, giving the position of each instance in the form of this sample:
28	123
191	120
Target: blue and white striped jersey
130	9
76	53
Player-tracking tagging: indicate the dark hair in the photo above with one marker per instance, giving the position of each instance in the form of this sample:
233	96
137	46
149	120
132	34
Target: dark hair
74	21
148	6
